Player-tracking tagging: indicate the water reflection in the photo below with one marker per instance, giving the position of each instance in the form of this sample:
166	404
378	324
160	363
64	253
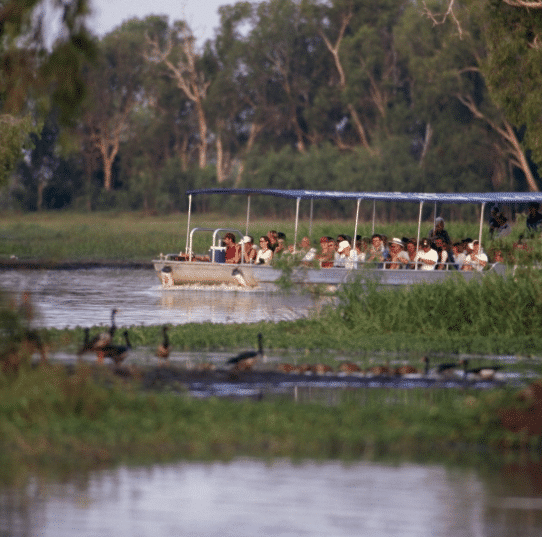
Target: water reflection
68	298
247	497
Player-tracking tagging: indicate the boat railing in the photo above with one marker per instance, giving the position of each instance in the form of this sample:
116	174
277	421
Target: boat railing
215	246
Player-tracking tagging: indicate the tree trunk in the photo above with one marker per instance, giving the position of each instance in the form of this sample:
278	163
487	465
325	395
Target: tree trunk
219	160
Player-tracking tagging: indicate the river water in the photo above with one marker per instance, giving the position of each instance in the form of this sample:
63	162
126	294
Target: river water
245	497
253	498
70	298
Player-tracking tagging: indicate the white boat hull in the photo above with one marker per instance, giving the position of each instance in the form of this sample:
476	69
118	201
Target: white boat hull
175	273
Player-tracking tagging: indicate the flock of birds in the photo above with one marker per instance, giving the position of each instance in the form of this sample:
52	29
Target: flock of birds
102	344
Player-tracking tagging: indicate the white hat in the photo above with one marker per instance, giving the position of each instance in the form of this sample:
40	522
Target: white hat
246	239
395	240
342	246
471	245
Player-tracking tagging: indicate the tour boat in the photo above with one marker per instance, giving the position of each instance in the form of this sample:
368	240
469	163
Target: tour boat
209	268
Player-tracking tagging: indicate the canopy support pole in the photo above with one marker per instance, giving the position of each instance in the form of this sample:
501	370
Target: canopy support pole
356	226
374	216
310	219
296	221
481	225
189	250
419	231
248	214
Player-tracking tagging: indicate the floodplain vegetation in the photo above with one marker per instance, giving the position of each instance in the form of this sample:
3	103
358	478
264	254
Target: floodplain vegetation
55	419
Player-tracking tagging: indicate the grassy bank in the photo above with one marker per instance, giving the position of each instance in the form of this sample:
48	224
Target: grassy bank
135	237
52	421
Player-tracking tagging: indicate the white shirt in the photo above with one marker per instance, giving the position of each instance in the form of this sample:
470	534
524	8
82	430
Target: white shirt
348	262
264	257
431	255
476	261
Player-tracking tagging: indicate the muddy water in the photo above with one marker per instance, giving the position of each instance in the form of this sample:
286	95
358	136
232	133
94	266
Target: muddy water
252	498
69	298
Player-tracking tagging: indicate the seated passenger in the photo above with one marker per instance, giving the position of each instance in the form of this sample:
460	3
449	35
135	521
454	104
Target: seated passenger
503	228
377	252
458	251
426	258
476	260
347	257
265	254
398	257
233	251
273	241
444	254
281	243
249	250
411	250
327	252
308	252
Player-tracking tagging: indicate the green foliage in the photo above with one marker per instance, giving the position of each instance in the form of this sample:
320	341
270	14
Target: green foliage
14	135
513	67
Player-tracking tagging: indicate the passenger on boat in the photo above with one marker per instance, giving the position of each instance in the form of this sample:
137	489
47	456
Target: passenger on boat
233	251
308	252
426	258
281	243
398	257
327	252
249	250
534	220
445	255
347	258
503	228
362	245
458	251
439	232
476	260
265	254
377	252
493	224
273	239
411	251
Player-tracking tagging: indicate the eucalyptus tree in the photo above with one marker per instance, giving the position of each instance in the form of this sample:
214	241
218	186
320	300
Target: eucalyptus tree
175	48
513	68
507	33
116	89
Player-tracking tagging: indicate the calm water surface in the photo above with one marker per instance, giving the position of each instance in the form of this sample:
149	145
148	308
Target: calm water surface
252	498
69	298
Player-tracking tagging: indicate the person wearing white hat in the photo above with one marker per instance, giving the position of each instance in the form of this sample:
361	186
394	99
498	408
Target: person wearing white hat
398	257
249	250
476	260
347	257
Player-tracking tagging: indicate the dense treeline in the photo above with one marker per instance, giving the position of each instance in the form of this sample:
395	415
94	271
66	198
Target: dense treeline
342	94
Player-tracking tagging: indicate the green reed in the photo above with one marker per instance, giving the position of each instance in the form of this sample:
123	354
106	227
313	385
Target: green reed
52	420
67	236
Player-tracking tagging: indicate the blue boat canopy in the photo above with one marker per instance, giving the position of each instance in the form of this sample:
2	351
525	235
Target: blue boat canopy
470	197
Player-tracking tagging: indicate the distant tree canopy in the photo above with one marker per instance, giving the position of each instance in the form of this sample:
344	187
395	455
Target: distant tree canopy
343	94
35	77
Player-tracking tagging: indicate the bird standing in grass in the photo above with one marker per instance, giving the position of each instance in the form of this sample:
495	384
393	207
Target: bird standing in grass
162	350
244	361
117	353
105	338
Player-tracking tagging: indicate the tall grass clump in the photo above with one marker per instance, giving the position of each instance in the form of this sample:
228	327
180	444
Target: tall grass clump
492	306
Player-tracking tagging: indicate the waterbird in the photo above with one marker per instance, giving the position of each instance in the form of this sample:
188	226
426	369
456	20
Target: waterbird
481	373
349	367
104	338
245	360
116	352
162	350
441	370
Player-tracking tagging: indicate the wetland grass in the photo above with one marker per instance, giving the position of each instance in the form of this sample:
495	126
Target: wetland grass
52	420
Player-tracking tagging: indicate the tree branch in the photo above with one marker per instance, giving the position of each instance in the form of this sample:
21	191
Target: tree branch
440	18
